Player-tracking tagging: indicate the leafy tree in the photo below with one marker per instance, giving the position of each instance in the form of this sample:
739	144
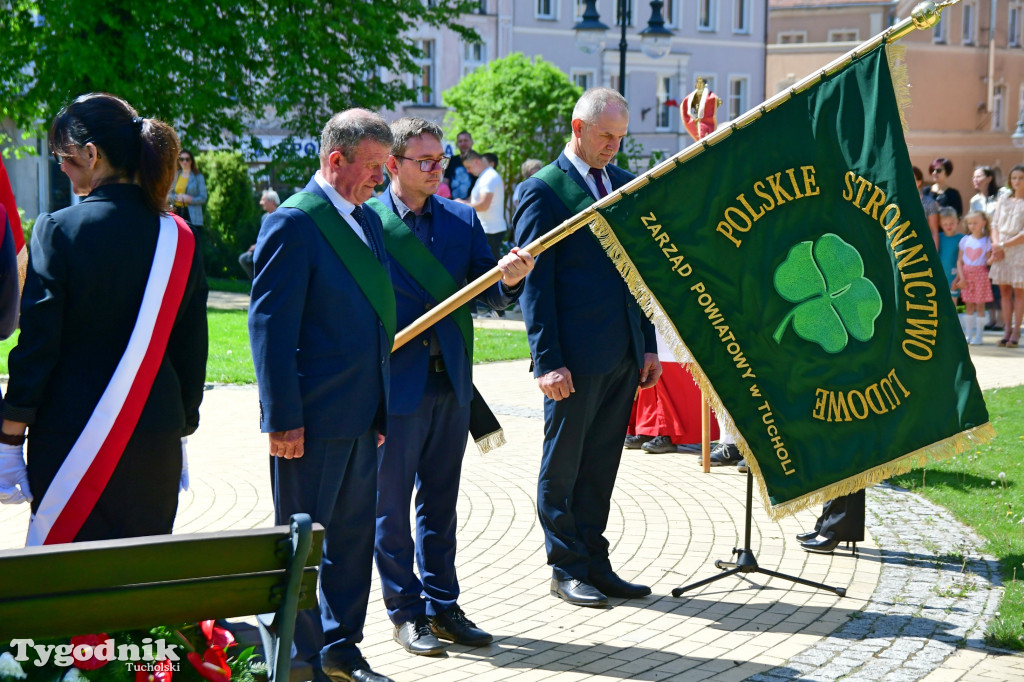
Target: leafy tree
515	108
213	68
231	223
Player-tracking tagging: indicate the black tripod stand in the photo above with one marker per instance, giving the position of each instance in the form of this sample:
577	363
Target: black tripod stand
747	563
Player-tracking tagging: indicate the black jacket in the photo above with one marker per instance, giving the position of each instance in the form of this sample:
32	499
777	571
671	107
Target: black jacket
88	267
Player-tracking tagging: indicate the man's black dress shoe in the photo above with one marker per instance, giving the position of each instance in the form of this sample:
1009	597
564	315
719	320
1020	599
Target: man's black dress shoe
416	638
821	546
614	586
809	535
454	626
577	592
356	671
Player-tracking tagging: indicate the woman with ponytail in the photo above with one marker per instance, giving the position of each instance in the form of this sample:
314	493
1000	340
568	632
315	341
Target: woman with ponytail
109	369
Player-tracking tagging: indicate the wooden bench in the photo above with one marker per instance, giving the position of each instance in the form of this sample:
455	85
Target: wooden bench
108	586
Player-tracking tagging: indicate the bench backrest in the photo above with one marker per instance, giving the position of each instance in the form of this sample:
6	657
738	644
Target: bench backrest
107	586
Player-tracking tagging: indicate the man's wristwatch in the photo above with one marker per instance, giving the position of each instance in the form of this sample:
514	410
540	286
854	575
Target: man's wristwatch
12	438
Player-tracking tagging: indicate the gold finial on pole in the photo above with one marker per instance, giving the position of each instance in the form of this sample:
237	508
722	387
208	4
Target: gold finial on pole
925	14
698	90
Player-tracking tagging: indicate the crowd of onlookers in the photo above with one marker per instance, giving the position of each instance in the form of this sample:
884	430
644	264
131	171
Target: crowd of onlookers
980	247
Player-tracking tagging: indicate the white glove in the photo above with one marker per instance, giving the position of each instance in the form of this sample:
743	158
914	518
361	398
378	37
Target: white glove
183	483
13	475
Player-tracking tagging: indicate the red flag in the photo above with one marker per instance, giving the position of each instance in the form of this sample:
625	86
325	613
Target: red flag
7	199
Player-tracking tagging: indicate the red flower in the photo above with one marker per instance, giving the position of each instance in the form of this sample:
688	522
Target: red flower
213	665
161	671
216	636
83	649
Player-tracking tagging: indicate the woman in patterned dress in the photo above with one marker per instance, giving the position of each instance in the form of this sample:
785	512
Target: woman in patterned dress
1008	255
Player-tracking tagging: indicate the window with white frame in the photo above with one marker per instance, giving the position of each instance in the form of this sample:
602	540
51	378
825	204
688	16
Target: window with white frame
741	16
613	83
584	79
579	7
737	103
545	9
423	82
792	37
668	11
843	35
1020	103
999	108
1013	25
969	26
940	34
665	116
707	15
474	55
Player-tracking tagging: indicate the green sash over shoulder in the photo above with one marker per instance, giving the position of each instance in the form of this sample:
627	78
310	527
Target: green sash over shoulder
572	195
416	259
366	270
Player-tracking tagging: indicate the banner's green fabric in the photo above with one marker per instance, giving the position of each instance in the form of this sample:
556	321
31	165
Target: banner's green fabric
794	260
417	260
366	270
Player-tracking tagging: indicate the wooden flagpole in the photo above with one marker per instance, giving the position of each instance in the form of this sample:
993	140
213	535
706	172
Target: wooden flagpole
924	15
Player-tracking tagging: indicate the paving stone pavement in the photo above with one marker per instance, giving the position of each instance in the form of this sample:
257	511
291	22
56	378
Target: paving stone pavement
916	608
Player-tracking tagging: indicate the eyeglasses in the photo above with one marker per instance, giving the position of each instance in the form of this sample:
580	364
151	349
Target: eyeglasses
937	170
185	158
428	165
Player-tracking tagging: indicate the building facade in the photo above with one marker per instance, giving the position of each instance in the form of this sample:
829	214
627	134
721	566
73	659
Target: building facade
966	74
722	41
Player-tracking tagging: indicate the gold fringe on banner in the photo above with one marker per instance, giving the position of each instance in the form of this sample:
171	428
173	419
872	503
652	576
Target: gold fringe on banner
491	441
896	57
944	449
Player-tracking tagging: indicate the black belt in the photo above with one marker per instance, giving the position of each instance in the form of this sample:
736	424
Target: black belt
436	363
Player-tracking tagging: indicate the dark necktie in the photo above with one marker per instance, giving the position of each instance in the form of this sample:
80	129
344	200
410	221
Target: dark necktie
599	181
357	213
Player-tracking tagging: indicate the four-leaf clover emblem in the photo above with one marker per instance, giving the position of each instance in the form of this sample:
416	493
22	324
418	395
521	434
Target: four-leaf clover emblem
834	300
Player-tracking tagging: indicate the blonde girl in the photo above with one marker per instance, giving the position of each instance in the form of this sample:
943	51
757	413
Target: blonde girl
972	274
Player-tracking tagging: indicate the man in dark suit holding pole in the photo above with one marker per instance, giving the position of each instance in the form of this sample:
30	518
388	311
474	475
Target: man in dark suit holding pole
321	324
434	247
591	348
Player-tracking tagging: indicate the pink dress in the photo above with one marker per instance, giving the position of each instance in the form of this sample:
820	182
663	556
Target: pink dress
976	285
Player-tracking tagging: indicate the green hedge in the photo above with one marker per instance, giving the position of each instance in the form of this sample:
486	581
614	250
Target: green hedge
232	213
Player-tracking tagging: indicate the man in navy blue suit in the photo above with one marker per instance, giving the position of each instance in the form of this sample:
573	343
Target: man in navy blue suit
321	325
434	246
591	348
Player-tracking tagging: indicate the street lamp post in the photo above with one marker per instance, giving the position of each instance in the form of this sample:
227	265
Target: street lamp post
1018	134
655	39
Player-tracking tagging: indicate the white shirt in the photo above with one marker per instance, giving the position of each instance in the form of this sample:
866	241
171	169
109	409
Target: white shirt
584	169
343	206
493	219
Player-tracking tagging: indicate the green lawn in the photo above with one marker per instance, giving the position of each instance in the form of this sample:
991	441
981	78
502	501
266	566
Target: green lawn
985	490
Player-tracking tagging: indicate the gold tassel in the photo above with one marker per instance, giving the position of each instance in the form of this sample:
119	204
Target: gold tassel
896	56
491	441
944	449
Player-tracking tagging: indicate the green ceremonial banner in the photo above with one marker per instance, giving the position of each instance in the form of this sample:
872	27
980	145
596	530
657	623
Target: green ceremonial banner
794	260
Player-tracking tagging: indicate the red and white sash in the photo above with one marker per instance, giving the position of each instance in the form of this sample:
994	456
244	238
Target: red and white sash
85	473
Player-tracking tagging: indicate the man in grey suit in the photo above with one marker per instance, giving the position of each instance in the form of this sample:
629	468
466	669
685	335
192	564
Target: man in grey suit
321	325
